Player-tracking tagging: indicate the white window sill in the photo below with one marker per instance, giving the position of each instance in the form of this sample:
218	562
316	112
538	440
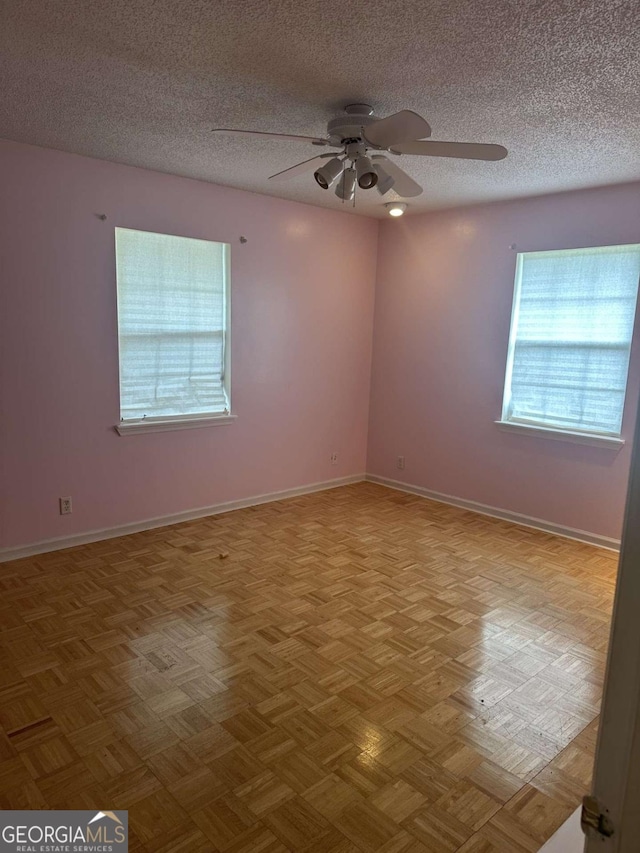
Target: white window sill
609	441
166	424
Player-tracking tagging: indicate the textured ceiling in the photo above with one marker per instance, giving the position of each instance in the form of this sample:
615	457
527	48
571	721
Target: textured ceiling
143	81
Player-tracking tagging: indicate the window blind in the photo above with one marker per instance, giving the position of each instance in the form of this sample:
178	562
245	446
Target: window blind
172	308
570	340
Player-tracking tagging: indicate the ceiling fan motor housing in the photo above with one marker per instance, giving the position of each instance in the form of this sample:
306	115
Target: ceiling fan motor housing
348	127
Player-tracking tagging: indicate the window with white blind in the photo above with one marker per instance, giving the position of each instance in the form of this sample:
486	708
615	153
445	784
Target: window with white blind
173	330
571	331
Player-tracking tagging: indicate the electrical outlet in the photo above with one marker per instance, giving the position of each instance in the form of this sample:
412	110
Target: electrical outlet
65	506
400	463
334	458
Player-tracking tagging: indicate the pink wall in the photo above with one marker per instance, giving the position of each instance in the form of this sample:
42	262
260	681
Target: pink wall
303	293
443	309
302	290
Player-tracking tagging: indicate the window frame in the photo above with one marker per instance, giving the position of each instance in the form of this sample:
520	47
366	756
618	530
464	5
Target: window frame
195	420
613	440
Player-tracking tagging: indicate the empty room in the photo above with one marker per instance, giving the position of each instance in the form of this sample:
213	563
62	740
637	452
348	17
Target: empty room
319	372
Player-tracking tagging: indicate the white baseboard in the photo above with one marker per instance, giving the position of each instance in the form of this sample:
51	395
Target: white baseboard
504	514
568	839
58	544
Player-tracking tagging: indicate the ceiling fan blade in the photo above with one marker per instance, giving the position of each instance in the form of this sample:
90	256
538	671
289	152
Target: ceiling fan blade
402	183
461	150
292	137
305	166
400	127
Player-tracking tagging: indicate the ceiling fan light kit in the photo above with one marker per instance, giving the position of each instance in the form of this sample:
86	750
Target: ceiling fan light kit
385	181
367	175
330	172
346	188
357	132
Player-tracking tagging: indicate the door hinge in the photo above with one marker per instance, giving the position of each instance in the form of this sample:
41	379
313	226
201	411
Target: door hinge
594	818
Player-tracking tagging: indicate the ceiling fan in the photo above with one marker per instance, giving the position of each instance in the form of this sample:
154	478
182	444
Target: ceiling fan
358	132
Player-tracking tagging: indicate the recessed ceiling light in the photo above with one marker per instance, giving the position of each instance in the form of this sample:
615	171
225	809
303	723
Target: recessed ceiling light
396	208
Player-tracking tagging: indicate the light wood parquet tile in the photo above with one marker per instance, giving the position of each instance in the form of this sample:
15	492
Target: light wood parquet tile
355	671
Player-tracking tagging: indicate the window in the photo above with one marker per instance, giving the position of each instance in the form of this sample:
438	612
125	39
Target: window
571	330
173	309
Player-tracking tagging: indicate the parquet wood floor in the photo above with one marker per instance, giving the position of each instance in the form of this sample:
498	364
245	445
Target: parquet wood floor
355	671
